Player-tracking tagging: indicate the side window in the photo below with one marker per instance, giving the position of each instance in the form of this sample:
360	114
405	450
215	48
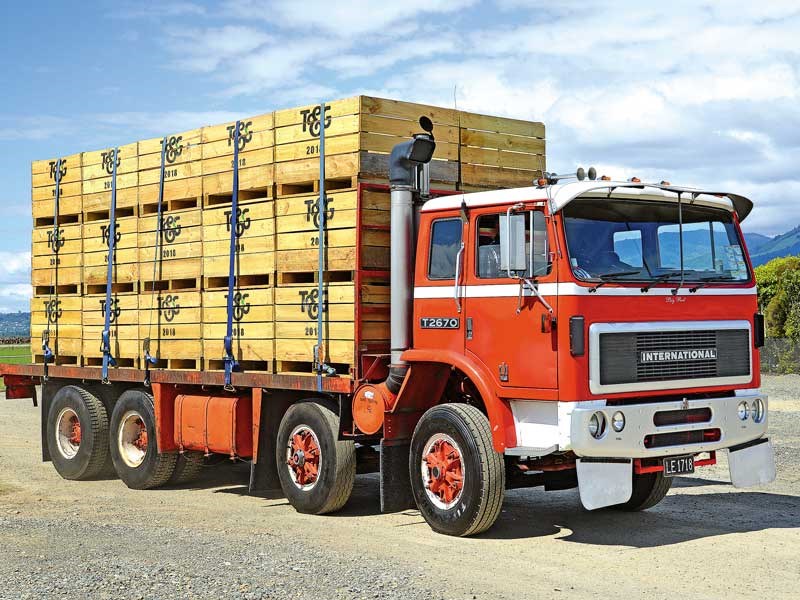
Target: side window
445	243
489	258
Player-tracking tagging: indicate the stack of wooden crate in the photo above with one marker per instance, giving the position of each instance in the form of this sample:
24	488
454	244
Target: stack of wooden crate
174	291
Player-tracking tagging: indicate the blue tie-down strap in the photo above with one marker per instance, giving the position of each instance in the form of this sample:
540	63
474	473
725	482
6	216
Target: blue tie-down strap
108	359
148	361
48	353
231	364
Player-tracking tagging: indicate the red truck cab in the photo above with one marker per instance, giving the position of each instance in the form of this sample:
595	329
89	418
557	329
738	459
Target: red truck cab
608	326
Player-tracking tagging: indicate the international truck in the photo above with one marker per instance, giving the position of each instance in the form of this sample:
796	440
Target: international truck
581	332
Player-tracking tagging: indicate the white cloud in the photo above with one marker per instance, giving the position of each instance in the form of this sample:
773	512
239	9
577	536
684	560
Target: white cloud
14	265
204	50
340	18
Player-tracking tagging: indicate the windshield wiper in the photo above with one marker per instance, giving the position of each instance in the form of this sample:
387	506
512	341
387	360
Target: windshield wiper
609	277
660	279
710	279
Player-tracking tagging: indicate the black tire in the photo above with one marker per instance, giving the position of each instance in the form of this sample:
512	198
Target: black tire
187	468
84	460
336	466
483	470
154	469
648	490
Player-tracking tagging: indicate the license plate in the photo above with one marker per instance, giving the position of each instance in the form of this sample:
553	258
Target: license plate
678	465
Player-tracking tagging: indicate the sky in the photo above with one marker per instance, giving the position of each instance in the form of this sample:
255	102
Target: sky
698	93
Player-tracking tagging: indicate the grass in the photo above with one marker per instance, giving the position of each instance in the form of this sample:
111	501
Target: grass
14	355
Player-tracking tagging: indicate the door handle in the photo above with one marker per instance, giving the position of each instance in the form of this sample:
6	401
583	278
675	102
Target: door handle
458	277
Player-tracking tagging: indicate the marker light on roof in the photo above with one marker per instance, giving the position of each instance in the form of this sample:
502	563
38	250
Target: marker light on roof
665	183
605	178
635	180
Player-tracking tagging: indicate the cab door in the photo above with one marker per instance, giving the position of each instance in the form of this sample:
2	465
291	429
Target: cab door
513	335
438	302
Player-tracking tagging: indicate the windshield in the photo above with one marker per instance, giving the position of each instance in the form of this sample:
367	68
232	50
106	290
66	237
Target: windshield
629	240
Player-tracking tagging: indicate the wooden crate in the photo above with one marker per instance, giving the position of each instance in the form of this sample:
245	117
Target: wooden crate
256	157
43	191
253	328
179	264
255	247
357	231
125	345
97	207
183	170
125	274
359	134
62	270
98	166
345	329
500	152
173	322
62	317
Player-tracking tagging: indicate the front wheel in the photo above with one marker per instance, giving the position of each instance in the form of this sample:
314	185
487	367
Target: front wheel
648	490
457	478
134	451
315	468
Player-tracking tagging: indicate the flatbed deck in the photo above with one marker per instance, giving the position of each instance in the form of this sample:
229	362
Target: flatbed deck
283	381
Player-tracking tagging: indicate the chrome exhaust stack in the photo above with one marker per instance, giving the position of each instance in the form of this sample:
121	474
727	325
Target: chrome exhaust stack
409	178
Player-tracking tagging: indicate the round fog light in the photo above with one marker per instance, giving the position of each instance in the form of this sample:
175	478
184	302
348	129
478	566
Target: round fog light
758	410
618	421
743	411
597	425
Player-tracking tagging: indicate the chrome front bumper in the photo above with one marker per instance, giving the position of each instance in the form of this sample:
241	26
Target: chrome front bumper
639	422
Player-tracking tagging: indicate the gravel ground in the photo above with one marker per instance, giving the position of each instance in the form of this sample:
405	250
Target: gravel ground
98	539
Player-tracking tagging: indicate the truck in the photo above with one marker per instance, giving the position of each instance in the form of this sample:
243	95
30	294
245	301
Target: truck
579	332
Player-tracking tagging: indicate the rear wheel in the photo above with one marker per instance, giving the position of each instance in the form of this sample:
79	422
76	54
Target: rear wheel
648	490
457	478
133	443
315	468
77	433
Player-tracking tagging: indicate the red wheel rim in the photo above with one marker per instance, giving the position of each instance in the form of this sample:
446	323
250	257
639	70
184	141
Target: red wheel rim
442	471
68	433
303	457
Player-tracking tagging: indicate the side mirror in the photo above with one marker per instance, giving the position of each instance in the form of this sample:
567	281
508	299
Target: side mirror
512	243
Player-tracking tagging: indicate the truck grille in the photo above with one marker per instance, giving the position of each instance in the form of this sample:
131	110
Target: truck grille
633	357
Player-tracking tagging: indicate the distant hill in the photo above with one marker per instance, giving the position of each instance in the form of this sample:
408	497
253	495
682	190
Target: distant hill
15	325
786	244
762	248
755	241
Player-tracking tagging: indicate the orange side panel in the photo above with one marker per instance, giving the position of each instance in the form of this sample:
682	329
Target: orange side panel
164	404
257	396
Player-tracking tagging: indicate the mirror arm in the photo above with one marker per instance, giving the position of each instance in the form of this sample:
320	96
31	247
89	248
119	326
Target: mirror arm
532	284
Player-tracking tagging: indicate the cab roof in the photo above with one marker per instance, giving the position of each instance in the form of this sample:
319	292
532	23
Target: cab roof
559	195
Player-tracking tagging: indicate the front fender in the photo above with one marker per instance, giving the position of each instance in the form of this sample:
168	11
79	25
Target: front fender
501	420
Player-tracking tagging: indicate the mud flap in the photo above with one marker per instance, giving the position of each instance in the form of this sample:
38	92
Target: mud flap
604	481
396	492
752	463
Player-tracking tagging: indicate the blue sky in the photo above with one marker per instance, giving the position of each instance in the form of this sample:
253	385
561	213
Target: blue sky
699	93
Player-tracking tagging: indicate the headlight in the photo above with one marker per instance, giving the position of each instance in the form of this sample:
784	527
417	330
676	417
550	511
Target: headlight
618	421
758	410
597	425
743	410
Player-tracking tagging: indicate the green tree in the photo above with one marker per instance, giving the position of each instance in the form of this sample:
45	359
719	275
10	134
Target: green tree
779	296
